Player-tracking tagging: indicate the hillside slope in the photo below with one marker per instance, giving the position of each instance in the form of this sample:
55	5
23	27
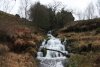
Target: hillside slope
83	41
8	21
16	33
82	26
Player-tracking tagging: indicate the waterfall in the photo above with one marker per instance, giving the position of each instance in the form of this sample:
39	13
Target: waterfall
53	50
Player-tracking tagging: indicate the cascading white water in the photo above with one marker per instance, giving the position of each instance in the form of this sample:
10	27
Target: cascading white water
53	55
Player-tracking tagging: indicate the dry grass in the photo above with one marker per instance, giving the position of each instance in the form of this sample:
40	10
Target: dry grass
84	37
87	60
3	49
8	26
82	40
9	23
17	60
11	59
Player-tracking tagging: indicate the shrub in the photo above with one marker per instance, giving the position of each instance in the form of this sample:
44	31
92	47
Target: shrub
4	37
23	39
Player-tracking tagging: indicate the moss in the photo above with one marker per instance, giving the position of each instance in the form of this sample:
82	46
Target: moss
44	51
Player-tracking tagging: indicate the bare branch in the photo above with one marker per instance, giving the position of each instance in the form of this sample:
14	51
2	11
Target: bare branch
24	7
90	11
64	54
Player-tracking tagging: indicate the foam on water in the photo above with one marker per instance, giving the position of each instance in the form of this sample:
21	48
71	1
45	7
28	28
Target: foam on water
52	58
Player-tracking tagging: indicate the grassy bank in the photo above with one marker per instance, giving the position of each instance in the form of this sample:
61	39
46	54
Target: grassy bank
85	60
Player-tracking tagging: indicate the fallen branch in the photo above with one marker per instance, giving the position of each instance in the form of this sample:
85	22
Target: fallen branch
64	54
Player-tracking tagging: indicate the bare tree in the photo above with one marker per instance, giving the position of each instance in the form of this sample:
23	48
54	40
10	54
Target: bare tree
24	7
55	6
79	15
98	6
90	11
1	3
4	4
7	5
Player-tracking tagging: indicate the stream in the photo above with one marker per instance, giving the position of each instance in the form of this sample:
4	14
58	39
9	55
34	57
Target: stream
52	53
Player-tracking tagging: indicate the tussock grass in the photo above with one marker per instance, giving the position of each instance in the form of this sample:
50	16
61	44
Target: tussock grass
87	60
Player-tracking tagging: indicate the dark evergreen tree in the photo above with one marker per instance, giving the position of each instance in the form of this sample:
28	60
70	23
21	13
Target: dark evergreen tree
40	16
47	18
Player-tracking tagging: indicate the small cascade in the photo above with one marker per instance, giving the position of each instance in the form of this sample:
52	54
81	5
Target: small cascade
52	53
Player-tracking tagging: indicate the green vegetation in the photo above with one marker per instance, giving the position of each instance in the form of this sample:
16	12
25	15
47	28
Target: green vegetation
47	18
